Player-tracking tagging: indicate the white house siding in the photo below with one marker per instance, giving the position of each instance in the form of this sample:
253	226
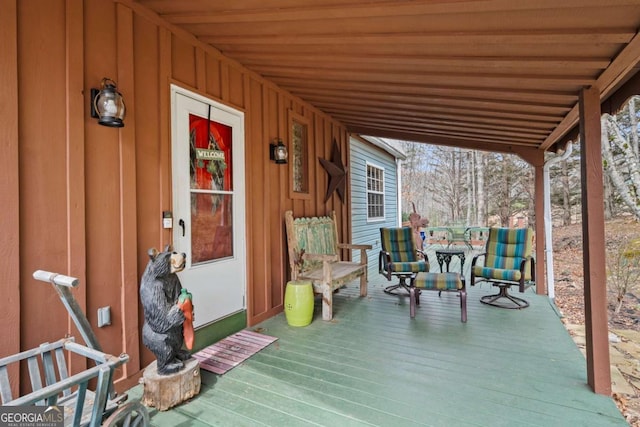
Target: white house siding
364	231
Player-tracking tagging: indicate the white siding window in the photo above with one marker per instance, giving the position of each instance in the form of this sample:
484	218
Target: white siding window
375	193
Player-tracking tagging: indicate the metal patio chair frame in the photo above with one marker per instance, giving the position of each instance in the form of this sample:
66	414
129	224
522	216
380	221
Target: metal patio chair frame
399	257
508	261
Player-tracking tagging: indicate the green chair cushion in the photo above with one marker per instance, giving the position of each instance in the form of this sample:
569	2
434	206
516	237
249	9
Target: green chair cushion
438	281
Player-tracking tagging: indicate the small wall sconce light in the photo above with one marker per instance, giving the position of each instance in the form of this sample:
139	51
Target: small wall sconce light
107	104
278	152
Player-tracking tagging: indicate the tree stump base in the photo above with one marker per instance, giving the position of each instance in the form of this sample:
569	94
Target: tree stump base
166	391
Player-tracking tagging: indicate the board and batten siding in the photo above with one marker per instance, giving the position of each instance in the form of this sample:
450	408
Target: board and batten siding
87	201
364	231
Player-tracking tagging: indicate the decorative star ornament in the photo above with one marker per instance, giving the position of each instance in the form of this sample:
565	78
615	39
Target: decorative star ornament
337	173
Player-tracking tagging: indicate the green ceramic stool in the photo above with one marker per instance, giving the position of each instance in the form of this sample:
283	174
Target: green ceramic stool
298	302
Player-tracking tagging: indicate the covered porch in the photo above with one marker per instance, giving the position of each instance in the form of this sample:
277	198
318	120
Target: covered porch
373	365
495	75
519	78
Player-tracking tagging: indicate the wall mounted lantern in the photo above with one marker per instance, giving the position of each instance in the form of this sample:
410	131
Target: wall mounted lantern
278	152
107	104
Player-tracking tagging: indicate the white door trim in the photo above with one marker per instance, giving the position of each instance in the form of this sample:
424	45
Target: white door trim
212	284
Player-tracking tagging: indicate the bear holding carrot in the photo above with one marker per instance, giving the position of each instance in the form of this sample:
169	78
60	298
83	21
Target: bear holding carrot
168	311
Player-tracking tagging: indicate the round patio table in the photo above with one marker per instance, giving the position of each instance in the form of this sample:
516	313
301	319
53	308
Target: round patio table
444	257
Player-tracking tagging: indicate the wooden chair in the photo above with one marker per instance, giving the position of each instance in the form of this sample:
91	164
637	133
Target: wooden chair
508	261
314	255
399	257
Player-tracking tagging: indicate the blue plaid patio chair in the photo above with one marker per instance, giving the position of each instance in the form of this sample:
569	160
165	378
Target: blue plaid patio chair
399	257
508	261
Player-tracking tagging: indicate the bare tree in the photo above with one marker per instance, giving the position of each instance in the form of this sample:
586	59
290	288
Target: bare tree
566	193
510	186
623	269
448	185
609	198
565	187
470	187
499	168
481	218
620	153
414	175
528	195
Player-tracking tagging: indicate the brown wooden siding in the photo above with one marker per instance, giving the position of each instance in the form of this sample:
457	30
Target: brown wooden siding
89	199
50	166
10	182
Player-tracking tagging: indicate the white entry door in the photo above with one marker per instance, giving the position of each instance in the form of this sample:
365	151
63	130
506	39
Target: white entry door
209	203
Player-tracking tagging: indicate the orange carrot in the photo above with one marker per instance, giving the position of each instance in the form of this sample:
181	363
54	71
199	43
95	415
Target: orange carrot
186	305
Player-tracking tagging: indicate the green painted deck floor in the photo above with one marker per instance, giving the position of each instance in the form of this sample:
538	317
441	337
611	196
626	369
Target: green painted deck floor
373	365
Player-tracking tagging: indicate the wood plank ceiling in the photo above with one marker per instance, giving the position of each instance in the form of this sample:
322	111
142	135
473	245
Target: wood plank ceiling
470	73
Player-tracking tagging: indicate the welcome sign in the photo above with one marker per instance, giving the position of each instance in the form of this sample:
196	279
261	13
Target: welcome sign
206	154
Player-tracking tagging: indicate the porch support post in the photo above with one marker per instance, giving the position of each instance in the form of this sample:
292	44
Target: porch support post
593	245
541	288
535	158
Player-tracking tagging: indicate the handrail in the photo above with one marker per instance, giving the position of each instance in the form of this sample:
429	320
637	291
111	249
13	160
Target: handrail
457	233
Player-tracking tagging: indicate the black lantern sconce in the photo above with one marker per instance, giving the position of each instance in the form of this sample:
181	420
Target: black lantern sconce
107	104
278	152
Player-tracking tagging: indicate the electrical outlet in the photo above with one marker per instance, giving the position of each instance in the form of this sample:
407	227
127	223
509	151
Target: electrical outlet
104	316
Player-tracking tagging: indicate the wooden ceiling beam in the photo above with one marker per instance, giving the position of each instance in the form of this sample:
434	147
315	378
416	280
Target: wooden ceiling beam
402	103
430	99
461	135
251	58
506	50
494	123
429	112
450	130
504	137
221	12
467	143
399	66
452	110
442	124
469	39
542	97
477	80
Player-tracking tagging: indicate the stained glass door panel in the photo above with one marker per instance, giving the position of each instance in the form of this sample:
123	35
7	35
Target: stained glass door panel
211	187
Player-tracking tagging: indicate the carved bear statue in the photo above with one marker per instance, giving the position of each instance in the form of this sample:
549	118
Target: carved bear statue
159	291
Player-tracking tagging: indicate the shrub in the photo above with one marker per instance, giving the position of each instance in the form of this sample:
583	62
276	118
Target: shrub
623	269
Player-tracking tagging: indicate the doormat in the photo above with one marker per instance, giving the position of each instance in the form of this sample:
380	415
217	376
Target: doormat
231	351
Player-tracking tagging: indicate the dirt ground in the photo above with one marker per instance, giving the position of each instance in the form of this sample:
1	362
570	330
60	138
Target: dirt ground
624	328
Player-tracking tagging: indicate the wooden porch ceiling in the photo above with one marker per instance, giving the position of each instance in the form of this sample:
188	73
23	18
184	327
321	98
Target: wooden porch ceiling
488	74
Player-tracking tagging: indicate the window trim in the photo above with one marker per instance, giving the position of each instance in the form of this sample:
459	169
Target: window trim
382	193
294	117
